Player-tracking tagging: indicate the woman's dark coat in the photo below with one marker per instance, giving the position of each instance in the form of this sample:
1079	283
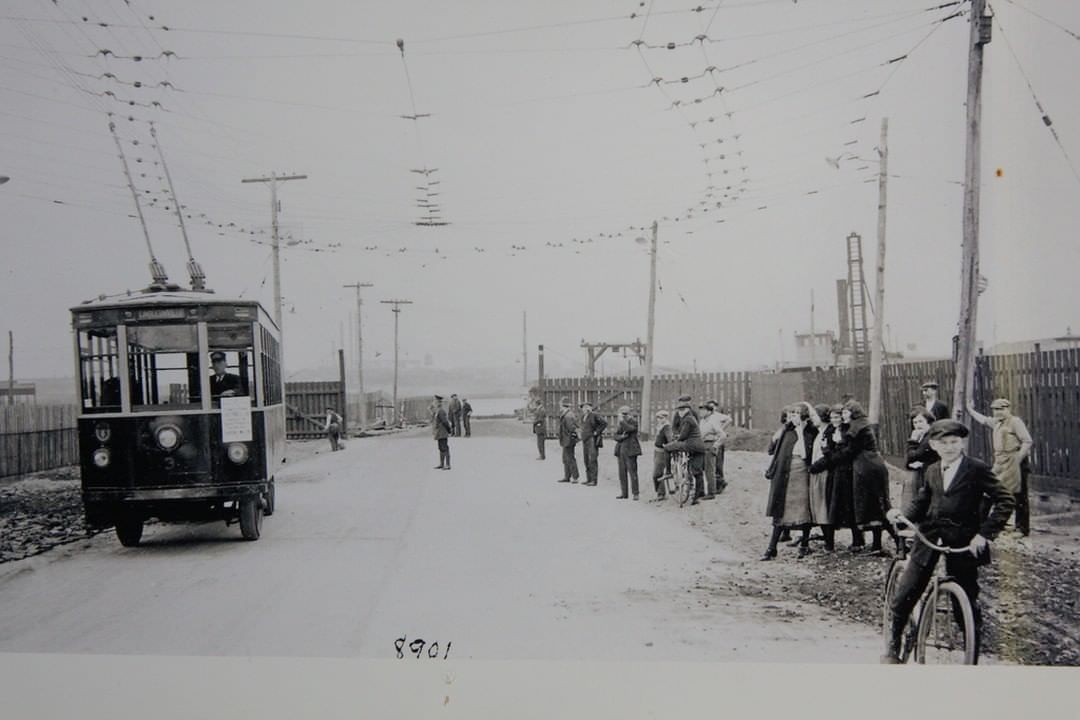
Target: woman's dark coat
780	466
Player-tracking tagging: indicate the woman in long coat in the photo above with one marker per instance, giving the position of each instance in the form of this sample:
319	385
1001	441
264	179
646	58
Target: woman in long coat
789	479
820	480
870	476
919	455
837	462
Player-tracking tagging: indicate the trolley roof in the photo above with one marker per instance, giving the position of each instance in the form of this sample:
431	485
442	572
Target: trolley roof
171	297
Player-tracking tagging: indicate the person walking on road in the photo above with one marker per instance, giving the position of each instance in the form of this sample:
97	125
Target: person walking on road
627	450
332	426
440	430
568	437
455	415
592	439
539	427
1012	445
661	457
466	411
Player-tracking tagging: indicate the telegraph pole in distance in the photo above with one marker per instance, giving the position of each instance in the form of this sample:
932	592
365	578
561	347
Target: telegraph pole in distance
969	292
397	311
524	349
363	418
873	414
646	385
274	179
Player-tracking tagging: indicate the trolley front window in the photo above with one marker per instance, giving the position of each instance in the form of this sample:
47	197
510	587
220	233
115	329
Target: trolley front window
99	370
163	367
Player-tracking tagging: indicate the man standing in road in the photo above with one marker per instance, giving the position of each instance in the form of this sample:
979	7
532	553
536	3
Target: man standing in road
627	450
466	411
440	430
711	431
333	429
539	427
933	405
568	437
1012	445
592	436
455	415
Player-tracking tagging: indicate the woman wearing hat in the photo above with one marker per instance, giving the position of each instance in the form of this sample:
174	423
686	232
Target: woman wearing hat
838	480
919	454
870	476
789	479
627	449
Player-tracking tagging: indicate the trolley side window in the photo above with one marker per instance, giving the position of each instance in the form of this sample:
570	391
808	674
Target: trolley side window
271	368
163	367
99	370
232	359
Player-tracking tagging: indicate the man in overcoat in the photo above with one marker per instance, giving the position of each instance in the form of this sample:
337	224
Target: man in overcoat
949	508
688	438
440	430
568	437
627	450
539	427
934	406
592	434
455	415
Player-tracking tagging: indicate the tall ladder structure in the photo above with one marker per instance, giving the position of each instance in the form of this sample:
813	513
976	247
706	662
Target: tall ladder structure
860	339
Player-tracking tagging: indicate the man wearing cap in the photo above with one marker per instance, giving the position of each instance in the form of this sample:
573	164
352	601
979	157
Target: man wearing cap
688	438
934	406
627	450
1012	446
948	508
713	435
466	413
661	457
440	430
223	383
455	415
540	427
592	436
568	437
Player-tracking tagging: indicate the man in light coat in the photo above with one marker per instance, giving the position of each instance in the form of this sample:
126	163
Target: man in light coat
568	437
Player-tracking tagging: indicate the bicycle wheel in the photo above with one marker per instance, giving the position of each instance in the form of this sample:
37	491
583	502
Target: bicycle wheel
946	628
907	639
684	483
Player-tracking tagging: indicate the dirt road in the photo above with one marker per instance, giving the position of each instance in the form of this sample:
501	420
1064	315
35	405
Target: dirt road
492	560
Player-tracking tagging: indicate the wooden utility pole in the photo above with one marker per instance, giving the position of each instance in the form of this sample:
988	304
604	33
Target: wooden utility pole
969	292
397	311
274	179
11	368
873	414
646	385
363	418
524	349
540	368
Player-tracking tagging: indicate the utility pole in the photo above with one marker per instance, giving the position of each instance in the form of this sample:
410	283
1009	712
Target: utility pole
646	385
813	335
524	349
363	417
873	414
274	179
969	292
397	311
11	368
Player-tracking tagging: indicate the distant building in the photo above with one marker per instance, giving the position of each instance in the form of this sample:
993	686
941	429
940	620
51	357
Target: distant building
815	350
1067	341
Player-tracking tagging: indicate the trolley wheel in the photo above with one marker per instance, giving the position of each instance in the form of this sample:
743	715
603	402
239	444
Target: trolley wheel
268	508
129	530
947	628
251	517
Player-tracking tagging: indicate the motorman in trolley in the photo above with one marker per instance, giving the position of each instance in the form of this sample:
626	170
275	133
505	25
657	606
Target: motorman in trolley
222	382
947	510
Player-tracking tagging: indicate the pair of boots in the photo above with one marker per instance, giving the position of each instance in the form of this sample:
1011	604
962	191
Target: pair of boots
444	460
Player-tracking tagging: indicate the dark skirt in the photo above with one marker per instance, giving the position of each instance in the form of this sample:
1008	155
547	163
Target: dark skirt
841	499
870	484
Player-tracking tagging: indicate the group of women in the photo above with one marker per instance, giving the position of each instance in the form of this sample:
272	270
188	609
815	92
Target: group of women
826	471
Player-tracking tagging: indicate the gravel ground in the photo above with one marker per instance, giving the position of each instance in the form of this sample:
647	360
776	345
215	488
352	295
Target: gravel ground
1029	592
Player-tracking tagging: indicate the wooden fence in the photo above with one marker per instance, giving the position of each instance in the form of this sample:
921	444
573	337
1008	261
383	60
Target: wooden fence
34	438
306	404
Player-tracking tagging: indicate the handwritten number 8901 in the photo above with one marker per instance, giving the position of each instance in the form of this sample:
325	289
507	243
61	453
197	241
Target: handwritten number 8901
417	646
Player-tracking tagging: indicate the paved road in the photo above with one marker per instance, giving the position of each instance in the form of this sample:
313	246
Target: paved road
371	544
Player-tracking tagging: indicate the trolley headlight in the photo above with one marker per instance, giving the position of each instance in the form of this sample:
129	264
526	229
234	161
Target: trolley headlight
101	457
102	432
238	453
168	437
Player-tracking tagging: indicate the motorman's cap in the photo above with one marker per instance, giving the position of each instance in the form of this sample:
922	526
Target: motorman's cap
945	428
1000	403
217	355
930	384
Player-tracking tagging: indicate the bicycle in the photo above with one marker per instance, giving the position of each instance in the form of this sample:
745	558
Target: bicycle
680	481
941	626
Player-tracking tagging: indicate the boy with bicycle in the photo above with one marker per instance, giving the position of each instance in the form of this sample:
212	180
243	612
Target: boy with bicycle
947	510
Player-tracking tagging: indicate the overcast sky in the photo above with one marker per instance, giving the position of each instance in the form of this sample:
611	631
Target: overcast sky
545	127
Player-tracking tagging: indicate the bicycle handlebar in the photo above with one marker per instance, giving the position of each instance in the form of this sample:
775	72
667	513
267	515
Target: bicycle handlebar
901	520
